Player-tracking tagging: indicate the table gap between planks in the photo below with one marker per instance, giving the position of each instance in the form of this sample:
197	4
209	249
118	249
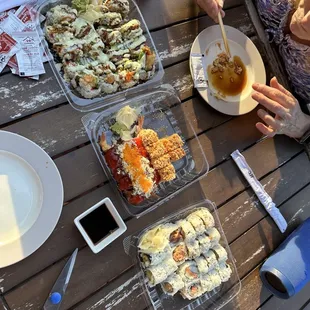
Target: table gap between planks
39	111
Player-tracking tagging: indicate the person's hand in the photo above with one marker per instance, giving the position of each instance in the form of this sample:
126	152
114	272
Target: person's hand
289	118
212	8
300	22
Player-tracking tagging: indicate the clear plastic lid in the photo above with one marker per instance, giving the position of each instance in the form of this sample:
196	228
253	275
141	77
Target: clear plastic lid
162	113
105	101
156	297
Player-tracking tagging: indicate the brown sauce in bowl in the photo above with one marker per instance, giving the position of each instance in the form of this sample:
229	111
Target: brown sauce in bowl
228	77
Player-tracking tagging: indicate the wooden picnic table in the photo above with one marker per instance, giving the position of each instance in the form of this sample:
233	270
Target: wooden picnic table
39	111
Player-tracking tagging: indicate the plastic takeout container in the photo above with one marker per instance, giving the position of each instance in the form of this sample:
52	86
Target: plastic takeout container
156	298
163	113
104	101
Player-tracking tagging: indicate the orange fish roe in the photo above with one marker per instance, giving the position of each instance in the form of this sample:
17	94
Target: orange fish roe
137	167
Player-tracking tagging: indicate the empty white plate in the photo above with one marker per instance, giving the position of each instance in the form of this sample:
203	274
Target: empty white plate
209	43
31	194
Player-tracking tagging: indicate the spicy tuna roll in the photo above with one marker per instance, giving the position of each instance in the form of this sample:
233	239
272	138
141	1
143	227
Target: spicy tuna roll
179	253
192	290
172	284
187	229
220	253
206	217
211	259
224	271
204	243
197	223
214	235
193	249
202	264
188	271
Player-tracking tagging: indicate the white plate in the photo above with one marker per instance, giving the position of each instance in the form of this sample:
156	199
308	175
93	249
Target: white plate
210	40
31	200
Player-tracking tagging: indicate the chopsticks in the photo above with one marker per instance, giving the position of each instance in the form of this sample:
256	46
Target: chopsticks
224	34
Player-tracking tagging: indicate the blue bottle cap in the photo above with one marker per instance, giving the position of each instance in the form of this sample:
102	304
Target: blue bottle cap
55	298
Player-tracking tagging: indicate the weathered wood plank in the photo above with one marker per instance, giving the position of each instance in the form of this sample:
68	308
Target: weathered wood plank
163	13
295	302
3	305
46	92
124	293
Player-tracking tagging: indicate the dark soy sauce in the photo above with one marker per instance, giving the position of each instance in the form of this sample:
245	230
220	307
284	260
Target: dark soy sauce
99	224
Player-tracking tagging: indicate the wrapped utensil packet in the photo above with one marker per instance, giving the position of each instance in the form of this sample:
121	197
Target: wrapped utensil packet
199	72
259	190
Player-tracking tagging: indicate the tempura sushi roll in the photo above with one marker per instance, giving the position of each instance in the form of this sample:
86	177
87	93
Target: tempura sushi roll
214	236
202	264
193	249
131	29
192	290
156	274
215	278
119	6
87	84
206	217
188	271
111	19
153	258
224	271
172	284
61	15
206	283
179	253
188	230
204	243
197	223
211	259
220	253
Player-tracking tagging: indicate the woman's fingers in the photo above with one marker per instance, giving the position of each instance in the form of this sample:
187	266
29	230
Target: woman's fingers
269	104
275	84
274	94
267	131
268	119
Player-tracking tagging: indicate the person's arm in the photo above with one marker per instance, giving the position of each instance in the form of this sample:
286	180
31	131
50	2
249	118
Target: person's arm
300	22
212	8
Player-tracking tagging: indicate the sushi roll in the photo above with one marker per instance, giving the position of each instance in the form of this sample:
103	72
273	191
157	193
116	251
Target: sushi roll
188	230
215	278
131	30
224	271
202	264
179	253
118	6
206	283
188	271
87	84
111	19
61	15
192	290
220	253
193	249
211	259
206	217
169	265
153	258
156	274
204	243
171	232
197	223
172	284
214	236
82	28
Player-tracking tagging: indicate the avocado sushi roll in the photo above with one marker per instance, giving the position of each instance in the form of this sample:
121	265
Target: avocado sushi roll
202	264
224	271
153	258
206	217
156	274
220	253
214	236
193	249
215	278
206	283
211	259
204	243
172	284
197	223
